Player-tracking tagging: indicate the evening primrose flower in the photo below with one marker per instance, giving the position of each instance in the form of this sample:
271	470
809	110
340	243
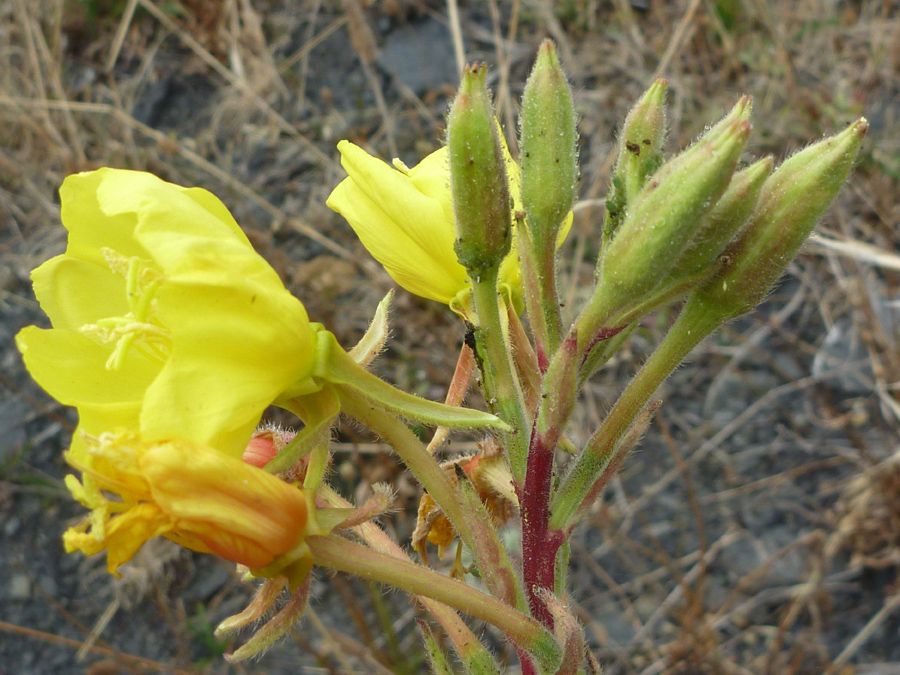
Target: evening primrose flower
404	217
196	496
165	320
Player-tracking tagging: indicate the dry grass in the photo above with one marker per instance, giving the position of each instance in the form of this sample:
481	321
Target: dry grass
249	98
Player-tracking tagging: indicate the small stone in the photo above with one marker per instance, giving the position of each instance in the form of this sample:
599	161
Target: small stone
19	587
48	585
420	55
617	627
12	526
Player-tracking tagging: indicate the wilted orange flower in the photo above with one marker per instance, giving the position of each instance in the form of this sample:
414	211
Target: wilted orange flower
199	497
488	472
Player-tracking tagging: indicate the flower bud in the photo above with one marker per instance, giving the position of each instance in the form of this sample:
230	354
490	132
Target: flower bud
740	111
478	177
792	201
549	161
665	216
640	152
725	221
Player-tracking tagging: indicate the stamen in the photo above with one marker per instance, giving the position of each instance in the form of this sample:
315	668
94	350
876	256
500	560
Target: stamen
137	327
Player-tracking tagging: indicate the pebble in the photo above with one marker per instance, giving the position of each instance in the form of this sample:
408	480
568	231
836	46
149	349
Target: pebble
420	55
618	628
12	526
19	587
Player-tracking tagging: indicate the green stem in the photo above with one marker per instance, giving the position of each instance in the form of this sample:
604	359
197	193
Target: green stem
500	382
336	553
336	366
695	323
423	465
541	296
476	532
587	329
549	296
467	646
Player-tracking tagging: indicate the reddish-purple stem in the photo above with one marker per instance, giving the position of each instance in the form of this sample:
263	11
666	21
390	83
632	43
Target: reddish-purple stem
538	548
603	334
542	359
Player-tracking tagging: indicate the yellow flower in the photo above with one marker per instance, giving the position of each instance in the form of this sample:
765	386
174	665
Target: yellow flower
198	497
404	217
165	320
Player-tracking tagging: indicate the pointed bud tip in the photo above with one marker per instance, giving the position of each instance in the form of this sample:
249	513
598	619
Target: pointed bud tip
860	127
759	170
737	131
656	93
547	50
473	74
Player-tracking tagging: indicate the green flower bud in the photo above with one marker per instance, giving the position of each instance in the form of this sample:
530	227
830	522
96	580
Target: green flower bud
640	152
478	177
549	161
792	201
727	218
665	216
720	226
740	111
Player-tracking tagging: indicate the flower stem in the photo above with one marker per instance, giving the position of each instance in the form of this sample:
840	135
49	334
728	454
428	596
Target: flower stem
500	382
413	453
467	646
484	543
541	296
539	546
694	324
337	553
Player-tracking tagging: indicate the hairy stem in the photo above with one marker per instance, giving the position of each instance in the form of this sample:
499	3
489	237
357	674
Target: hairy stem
500	382
467	646
423	465
693	325
336	553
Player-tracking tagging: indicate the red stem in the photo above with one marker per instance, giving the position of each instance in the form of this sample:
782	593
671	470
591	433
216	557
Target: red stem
538	547
528	667
602	335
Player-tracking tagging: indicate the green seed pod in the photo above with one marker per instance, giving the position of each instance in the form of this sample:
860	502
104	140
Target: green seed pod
640	152
666	215
478	177
792	201
548	136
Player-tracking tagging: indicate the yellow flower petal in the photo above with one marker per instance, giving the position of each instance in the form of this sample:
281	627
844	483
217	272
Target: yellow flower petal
408	231
124	537
404	217
235	347
90	227
62	283
160	304
71	366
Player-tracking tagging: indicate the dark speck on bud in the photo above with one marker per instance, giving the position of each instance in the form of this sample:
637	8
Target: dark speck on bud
665	216
645	125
